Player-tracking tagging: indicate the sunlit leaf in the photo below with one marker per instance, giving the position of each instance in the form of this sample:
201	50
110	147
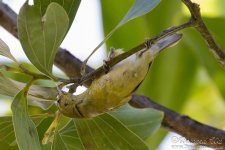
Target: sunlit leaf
41	36
5	51
70	6
140	7
24	128
147	121
6	127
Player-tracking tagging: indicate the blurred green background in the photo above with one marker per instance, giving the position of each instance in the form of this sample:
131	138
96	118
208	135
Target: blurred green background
185	78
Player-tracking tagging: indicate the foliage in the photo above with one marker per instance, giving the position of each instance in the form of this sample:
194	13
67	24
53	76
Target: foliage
41	29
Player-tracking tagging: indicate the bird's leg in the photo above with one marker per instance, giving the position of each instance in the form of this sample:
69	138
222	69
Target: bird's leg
110	56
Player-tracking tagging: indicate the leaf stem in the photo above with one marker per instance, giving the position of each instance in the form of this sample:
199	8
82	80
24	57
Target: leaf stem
52	128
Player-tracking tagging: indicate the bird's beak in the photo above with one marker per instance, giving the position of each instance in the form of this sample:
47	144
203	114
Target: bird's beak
165	42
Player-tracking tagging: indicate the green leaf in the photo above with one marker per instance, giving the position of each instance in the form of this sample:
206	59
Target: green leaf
127	120
58	143
5	51
39	102
41	36
6	132
106	132
37	96
70	6
6	127
7	87
24	128
70	136
147	121
140	7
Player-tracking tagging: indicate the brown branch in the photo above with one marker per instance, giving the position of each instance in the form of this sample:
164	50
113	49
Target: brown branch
183	125
70	65
8	19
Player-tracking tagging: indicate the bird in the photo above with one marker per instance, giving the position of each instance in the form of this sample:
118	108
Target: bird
114	88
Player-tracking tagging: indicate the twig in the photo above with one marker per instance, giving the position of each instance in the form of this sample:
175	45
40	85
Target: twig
200	26
140	47
54	125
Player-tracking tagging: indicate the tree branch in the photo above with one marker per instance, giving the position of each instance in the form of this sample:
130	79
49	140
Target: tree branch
8	19
183	125
200	26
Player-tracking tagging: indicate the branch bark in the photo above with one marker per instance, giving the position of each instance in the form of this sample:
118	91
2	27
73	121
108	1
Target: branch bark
172	121
8	19
200	26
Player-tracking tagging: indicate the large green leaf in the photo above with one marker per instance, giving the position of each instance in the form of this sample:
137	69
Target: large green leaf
4	51
58	143
106	132
6	128
25	130
37	96
70	137
70	6
147	121
41	36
